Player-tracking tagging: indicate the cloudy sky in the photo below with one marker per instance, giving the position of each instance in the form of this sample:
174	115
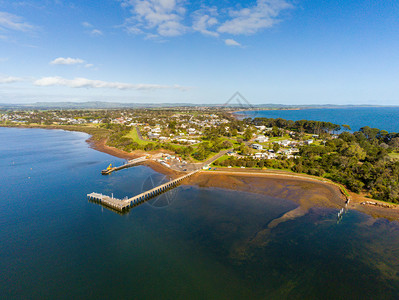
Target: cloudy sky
272	51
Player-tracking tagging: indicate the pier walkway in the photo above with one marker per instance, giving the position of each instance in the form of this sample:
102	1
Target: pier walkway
129	164
111	202
124	204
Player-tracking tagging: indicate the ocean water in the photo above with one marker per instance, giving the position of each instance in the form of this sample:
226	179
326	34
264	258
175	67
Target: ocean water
384	118
208	244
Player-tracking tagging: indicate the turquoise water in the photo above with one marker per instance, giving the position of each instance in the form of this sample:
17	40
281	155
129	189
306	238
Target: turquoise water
384	118
208	244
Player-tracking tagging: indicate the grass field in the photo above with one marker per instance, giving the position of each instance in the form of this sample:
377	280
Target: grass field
220	159
135	137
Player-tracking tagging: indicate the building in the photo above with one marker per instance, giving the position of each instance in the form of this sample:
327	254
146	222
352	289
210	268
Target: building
257	146
285	143
153	135
261	127
191	131
259	155
261	139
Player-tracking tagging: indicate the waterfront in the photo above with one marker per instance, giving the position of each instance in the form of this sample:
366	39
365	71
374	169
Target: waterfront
209	243
384	118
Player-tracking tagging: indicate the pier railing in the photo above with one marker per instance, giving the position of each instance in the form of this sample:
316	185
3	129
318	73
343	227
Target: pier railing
124	204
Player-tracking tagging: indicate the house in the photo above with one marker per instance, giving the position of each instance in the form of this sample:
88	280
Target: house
191	131
257	146
261	127
308	142
286	152
261	139
259	155
285	143
153	135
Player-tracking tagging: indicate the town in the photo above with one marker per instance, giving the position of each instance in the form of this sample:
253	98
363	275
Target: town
190	133
186	138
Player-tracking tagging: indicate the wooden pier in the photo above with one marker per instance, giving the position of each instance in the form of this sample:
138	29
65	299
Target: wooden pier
111	202
129	164
124	204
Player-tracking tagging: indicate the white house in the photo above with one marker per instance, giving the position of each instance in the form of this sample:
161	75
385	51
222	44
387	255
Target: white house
259	155
285	143
257	146
191	131
261	127
153	135
261	139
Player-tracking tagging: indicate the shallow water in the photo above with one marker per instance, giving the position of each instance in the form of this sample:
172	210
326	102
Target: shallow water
208	243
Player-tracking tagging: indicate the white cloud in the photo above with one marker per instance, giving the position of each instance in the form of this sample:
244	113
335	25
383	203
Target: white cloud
67	61
10	79
230	42
13	22
163	16
89	83
87	25
96	32
252	19
167	18
204	19
91	30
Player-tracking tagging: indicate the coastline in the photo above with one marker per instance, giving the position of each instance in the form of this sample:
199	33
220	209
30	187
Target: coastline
305	190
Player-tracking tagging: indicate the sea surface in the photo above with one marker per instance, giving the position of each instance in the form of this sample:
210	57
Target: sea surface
384	118
206	244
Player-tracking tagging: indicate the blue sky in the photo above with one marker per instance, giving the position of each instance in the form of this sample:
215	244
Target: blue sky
272	51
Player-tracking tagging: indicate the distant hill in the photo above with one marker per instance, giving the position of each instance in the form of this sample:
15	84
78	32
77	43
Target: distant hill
115	105
89	105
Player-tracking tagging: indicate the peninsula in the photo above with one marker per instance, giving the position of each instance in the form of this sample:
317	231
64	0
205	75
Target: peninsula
258	155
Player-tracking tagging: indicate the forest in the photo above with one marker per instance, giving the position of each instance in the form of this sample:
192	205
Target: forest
360	160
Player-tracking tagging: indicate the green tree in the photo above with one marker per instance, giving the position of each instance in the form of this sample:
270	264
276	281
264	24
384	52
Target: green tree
248	134
346	127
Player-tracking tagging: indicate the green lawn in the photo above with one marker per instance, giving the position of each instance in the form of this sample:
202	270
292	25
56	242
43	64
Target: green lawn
220	159
276	139
394	155
135	137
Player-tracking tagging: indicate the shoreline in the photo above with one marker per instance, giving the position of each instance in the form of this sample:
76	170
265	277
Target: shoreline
231	180
228	179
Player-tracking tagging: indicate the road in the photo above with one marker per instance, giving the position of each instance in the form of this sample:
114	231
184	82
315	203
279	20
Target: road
214	158
139	134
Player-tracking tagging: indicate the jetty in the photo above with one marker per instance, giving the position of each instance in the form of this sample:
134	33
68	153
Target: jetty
122	205
130	163
111	202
